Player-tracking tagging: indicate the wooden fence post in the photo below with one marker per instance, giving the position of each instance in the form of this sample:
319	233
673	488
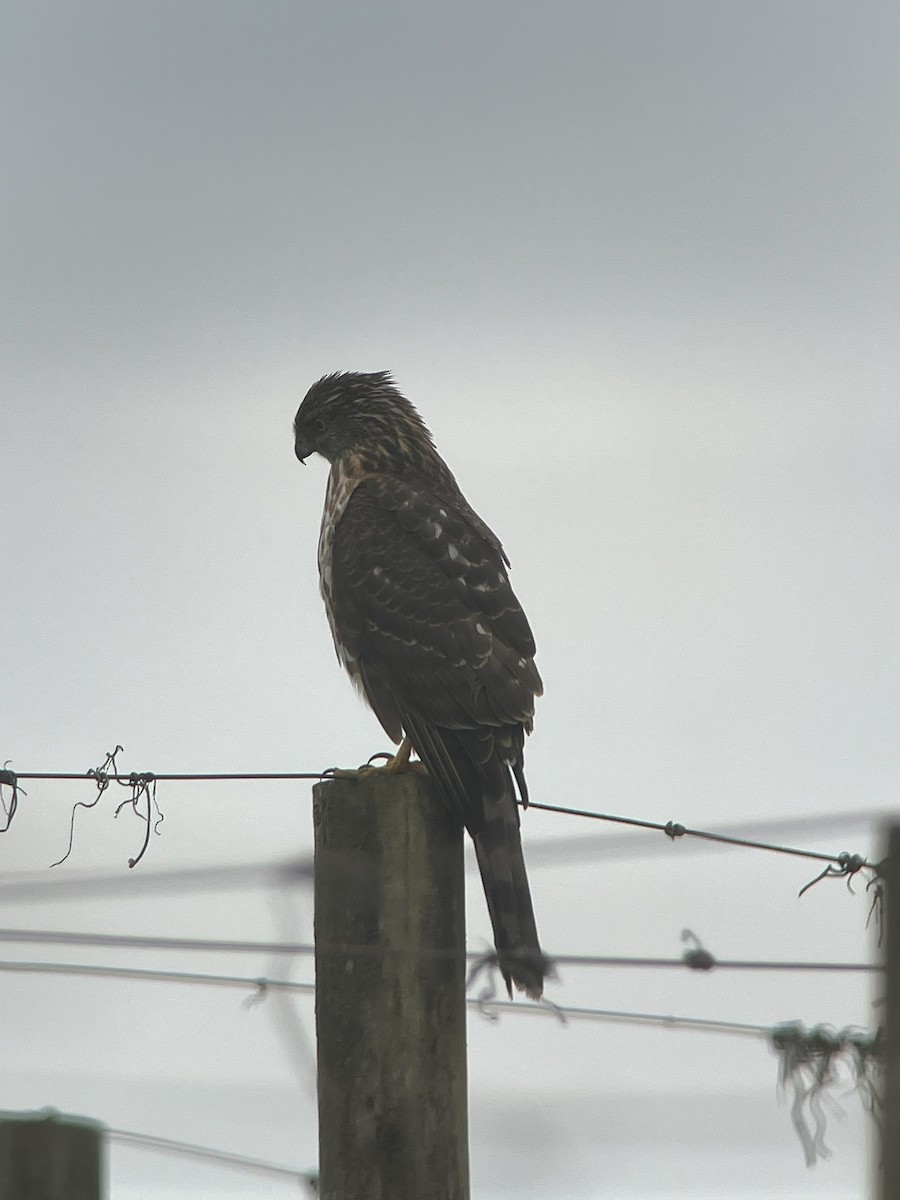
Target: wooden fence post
890	1125
47	1156
390	991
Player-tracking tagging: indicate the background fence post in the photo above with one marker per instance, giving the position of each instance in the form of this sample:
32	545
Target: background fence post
47	1156
890	1140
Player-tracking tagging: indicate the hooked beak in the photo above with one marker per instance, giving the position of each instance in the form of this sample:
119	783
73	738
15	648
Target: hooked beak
302	452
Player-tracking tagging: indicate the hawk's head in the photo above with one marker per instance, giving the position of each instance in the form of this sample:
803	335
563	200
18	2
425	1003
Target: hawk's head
350	412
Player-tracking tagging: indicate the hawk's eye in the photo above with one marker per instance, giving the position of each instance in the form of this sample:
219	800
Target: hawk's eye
319	425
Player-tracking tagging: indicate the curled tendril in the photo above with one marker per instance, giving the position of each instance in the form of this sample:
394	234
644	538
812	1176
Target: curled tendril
846	867
811	1063
101	776
143	789
9	779
697	957
485	969
260	994
143	786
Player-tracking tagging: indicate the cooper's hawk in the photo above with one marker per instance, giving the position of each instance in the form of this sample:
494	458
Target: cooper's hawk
425	621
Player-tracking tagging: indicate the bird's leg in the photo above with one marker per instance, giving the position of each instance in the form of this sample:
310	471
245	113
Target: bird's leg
396	764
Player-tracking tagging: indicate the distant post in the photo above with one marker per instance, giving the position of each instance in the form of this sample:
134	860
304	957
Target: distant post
47	1156
390	991
890	1125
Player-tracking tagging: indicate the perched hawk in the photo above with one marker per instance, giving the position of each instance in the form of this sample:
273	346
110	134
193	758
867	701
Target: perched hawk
425	621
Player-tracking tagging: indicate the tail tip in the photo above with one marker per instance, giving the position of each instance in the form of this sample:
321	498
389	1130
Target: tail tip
526	968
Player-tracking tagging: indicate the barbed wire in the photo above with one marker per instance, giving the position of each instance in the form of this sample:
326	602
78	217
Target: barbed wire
261	986
151	1141
184	777
169	882
696	958
783	1034
846	864
225	1158
579	848
812	1061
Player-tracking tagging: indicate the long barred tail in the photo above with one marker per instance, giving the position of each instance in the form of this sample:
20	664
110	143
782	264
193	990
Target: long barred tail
498	848
474	769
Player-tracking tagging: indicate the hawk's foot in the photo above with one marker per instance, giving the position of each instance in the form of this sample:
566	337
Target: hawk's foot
395	764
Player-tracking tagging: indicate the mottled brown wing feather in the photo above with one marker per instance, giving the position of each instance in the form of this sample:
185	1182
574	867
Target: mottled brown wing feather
423	604
424	608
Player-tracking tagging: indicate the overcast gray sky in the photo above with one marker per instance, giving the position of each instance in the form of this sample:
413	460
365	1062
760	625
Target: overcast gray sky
637	265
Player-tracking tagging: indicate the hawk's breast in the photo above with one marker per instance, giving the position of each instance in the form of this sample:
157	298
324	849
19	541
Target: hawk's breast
343	480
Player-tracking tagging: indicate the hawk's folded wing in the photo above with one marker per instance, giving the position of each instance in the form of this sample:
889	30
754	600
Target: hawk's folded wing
423	607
